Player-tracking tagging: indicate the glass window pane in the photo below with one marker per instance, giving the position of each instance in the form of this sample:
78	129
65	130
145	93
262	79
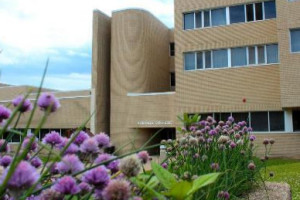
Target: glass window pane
276	121
261	54
217	117
270	9
218	17
252	57
258	11
237	14
16	138
172	49
172	74
220	58
189	61
198	20
295	40
203	116
189	21
208	59
239	117
199	60
206	19
238	56
272	53
259	121
250	13
296	120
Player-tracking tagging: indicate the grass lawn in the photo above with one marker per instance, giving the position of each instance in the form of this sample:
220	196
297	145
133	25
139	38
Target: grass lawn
285	170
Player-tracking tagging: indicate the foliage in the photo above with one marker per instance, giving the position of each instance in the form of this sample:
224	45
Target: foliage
207	146
284	170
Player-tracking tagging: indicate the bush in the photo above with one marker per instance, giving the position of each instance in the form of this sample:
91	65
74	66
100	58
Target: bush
207	146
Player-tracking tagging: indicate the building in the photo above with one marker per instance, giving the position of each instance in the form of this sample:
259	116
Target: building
74	110
237	57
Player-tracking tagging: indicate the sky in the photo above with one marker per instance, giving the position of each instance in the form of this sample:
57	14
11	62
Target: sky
33	30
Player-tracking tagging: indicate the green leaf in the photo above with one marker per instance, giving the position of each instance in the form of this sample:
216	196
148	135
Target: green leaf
180	190
203	181
164	176
151	191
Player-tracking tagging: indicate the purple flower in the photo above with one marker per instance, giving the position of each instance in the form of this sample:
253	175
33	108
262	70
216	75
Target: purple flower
249	129
70	164
103	140
232	145
252	138
52	138
266	142
215	166
34	144
212	132
117	190
251	166
97	177
23	177
223	195
143	156
54	169
231	119
50	194
89	146
164	165
66	185
272	141
4	113
80	138
26	106
36	162
5	161
48	101
5	149
192	128
72	149
84	187
113	165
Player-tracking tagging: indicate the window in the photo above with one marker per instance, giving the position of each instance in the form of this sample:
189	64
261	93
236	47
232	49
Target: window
172	74
270	9
218	17
259	121
239	117
206	18
208	59
258	11
188	21
220	58
261	54
296	120
238	56
295	40
250	12
198	20
272	53
224	116
172	49
276	121
189	61
237	14
199	60
251	56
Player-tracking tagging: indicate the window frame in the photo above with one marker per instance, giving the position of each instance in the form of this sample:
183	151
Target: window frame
290	34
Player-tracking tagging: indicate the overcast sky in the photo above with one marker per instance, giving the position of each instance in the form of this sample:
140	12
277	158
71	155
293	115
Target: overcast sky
32	30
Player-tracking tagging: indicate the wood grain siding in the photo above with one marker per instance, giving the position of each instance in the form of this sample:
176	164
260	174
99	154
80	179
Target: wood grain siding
139	64
288	17
101	72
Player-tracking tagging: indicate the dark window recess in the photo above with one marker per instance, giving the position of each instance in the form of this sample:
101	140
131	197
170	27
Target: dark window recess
189	21
239	117
198	19
206	19
172	79
224	116
276	121
237	14
250	13
5	136
296	120
217	117
270	9
259	121
172	49
205	115
258	11
43	132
